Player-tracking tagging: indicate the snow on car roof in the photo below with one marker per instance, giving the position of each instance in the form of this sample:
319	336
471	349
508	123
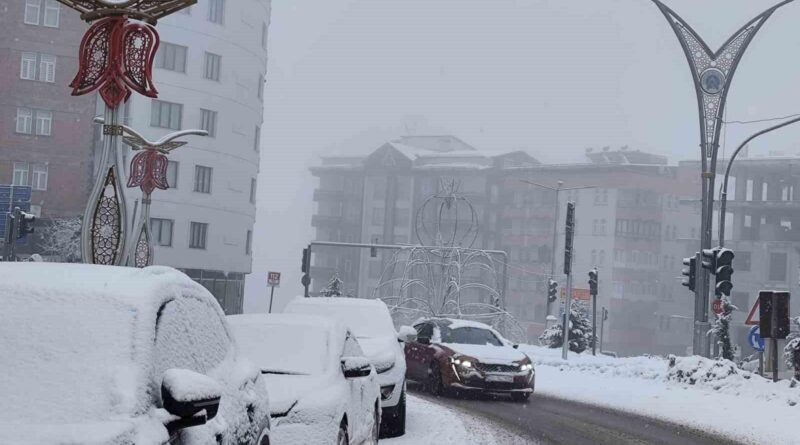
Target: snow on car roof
366	318
288	343
455	323
76	339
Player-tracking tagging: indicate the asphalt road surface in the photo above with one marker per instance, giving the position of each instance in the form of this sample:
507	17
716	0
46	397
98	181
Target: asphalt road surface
548	420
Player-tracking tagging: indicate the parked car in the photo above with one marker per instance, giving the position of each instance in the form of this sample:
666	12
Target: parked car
118	355
467	356
323	390
371	323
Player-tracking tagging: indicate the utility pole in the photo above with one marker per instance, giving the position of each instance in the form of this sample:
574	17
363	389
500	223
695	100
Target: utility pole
593	283
603	319
570	234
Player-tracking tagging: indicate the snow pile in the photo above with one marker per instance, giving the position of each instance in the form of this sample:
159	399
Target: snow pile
644	367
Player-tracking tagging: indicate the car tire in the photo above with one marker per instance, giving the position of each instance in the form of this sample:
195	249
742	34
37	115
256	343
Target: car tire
342	438
520	396
435	385
393	421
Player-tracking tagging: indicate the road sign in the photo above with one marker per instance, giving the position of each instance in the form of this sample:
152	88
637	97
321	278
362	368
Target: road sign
274	279
577	294
717	306
750	321
755	339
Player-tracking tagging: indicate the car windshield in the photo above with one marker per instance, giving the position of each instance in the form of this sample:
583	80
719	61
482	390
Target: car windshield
364	321
282	348
470	336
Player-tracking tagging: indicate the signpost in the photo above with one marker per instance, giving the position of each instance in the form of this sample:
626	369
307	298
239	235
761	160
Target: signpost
273	281
717	306
577	294
774	322
570	233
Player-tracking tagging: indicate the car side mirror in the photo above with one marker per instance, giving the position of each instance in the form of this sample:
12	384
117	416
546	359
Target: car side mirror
406	334
190	396
515	346
354	367
423	340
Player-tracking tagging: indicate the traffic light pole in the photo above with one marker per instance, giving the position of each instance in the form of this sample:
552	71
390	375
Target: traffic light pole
594	283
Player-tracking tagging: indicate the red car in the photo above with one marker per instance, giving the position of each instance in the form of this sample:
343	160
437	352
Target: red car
469	356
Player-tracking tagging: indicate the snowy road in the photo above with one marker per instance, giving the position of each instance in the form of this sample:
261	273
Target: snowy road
436	424
548	420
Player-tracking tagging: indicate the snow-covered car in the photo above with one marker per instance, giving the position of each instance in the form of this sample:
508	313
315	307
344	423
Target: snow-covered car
469	356
371	323
118	355
323	389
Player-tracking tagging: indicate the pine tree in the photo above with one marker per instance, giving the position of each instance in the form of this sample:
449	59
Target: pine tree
791	353
334	287
722	326
581	335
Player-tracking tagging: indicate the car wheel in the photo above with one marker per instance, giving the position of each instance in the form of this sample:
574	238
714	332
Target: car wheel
264	439
435	380
520	396
394	418
342	438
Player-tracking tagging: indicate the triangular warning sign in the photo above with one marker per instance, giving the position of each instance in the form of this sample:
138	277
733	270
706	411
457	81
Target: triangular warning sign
753	311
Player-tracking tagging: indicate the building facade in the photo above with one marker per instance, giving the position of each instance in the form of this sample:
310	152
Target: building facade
631	225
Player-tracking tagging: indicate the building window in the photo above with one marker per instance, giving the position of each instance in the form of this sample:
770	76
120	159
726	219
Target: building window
39	177
172	174
166	114
216	11
253	191
202	179
197	235
47	68
260	92
211	68
248	244
264	35
208	121
44	12
44	122
20	173
257	139
27	66
171	57
777	266
161	230
741	262
24	120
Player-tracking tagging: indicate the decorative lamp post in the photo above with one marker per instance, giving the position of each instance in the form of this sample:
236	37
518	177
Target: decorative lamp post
115	58
712	73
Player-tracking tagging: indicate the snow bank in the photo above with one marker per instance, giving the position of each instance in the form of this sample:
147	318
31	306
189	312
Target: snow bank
704	394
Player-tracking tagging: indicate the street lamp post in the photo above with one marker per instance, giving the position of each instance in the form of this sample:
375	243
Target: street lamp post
723	200
712	73
115	58
556	190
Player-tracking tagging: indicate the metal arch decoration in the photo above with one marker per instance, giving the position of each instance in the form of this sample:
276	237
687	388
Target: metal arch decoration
145	10
446	201
116	56
713	71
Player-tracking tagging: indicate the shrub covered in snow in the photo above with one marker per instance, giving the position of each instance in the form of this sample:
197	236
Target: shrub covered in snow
334	287
581	335
696	369
791	353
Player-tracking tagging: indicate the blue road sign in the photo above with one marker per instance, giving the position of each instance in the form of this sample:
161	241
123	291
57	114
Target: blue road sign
755	339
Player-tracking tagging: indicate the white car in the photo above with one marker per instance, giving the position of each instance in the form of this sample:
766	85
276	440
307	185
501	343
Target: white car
372	325
323	390
119	355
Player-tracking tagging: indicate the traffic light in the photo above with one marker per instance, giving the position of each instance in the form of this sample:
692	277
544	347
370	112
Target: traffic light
709	260
724	271
593	281
689	272
552	290
304	266
373	251
25	224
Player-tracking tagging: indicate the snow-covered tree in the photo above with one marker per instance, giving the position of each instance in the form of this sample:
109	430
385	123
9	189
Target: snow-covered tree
722	326
334	287
61	238
581	336
791	353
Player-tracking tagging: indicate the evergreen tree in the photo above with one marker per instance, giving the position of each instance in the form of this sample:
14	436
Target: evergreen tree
581	335
791	353
334	287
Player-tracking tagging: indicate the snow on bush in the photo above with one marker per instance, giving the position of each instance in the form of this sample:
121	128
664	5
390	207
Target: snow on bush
694	370
791	353
581	335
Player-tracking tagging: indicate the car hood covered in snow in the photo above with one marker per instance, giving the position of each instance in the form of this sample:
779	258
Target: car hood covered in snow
381	351
487	353
286	391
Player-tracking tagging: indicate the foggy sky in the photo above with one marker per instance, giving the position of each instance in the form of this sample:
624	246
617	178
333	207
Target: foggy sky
552	77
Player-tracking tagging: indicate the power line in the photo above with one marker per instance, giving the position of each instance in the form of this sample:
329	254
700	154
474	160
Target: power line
762	120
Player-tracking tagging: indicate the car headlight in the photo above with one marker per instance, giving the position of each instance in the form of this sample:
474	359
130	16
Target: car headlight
464	363
526	367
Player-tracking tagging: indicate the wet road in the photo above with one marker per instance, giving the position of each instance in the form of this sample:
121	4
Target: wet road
548	420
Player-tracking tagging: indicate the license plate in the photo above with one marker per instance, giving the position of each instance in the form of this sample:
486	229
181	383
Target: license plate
499	378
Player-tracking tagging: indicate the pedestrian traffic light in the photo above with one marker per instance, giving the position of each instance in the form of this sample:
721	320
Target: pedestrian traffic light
724	271
709	260
689	272
304	266
25	224
552	290
593	281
